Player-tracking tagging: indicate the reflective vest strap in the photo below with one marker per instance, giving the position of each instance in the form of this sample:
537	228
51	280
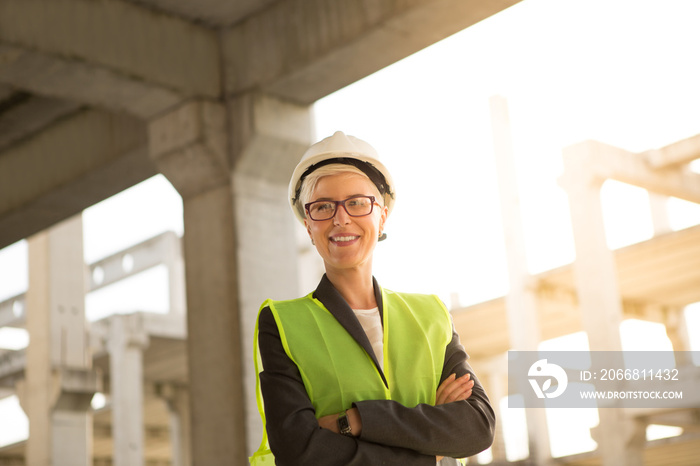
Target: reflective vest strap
263	456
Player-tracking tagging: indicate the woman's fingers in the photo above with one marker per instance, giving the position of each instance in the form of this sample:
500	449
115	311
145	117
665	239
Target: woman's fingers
439	399
454	389
461	393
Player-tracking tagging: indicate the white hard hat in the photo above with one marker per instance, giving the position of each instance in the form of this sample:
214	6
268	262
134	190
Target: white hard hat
340	148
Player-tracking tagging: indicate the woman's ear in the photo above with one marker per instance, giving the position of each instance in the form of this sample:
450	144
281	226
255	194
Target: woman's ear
382	219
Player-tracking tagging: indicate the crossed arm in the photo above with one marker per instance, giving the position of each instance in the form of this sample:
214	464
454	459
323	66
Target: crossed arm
451	389
460	424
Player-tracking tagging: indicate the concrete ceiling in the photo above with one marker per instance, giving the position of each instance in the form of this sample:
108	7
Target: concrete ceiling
214	13
80	79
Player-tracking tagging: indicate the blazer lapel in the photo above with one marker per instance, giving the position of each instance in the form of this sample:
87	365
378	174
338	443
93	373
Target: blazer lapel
339	308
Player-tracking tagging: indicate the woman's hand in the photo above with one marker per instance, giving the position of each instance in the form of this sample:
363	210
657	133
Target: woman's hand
451	389
454	389
330	422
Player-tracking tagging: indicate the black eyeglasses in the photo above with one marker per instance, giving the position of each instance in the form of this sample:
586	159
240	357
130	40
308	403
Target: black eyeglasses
355	206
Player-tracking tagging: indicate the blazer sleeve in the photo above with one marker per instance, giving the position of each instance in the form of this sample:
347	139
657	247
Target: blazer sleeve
293	431
458	429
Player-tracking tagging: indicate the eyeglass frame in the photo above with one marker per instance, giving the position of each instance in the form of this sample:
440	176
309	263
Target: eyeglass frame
373	200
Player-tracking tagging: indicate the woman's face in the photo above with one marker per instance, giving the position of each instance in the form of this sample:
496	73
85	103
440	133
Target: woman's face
346	242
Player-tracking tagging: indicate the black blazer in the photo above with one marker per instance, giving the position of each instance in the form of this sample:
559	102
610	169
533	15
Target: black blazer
392	434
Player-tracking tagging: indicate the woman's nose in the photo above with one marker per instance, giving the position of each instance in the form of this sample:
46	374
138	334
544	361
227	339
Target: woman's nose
341	216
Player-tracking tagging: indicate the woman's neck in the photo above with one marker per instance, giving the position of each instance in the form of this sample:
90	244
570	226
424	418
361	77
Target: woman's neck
357	287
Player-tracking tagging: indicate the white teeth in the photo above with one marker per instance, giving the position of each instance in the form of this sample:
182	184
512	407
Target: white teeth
343	238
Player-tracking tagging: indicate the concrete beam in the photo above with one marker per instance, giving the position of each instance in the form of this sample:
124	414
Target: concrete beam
164	326
673	155
29	114
689	419
6	92
124	37
161	326
609	162
12	311
83	159
269	136
151	433
216	13
189	146
86	83
165	249
131	261
303	50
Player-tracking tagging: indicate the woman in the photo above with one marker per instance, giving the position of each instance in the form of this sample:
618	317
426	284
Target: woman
354	374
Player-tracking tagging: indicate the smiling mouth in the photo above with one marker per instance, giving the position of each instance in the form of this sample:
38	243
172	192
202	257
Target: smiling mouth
343	239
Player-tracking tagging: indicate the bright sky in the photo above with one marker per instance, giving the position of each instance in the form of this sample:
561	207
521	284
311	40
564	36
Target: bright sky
623	72
617	71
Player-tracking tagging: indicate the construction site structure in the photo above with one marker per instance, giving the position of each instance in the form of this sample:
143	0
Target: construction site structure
138	360
218	97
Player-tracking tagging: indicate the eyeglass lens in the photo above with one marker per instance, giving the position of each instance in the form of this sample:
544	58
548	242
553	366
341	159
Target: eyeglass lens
355	206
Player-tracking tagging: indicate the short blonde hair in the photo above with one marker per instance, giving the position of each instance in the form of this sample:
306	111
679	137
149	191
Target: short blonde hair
312	179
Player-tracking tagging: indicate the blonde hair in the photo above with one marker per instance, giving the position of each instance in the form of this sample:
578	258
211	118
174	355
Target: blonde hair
312	179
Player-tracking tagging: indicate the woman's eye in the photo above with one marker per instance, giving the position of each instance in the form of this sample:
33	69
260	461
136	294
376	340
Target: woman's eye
358	202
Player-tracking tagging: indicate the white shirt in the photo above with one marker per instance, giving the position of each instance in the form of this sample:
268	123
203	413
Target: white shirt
372	325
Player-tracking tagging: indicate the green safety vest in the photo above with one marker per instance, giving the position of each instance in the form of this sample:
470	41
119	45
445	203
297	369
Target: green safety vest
337	371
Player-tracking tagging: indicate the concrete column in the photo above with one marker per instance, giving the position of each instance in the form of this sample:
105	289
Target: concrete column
236	218
127	340
659	213
521	300
677	332
59	380
269	137
494	378
176	276
178	403
594	268
599	299
189	146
